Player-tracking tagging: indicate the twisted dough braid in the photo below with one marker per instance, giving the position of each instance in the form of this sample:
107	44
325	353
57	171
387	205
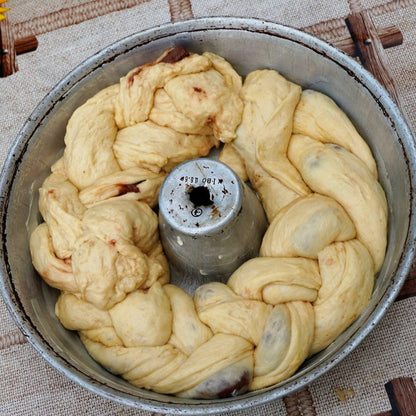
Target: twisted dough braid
99	241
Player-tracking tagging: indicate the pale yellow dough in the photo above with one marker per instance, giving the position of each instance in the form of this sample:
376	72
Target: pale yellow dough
333	171
263	137
305	227
347	272
318	117
136	183
99	242
158	148
89	140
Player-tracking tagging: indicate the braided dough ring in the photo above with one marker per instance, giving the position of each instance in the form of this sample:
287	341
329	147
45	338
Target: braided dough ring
99	242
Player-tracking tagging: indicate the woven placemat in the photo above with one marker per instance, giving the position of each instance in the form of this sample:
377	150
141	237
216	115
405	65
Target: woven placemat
68	35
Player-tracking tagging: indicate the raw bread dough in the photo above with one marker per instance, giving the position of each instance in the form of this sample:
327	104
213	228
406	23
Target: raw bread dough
99	242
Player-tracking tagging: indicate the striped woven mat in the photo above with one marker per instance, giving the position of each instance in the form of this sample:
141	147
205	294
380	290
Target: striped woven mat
371	379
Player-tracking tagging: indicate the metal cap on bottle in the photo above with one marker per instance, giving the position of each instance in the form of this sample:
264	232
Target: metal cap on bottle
210	222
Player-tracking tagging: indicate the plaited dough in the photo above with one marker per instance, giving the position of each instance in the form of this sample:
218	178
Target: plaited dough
206	99
89	139
305	227
277	280
188	331
137	88
263	137
154	147
276	357
55	271
347	273
99	242
122	238
230	157
318	117
333	171
224	311
62	210
164	113
152	317
133	184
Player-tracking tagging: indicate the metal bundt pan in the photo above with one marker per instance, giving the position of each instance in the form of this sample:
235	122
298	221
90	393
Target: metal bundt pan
247	44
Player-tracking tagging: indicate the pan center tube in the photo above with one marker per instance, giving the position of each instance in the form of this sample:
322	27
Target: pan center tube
210	223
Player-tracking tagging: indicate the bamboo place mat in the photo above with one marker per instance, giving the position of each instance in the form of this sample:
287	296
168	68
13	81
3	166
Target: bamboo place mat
370	380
